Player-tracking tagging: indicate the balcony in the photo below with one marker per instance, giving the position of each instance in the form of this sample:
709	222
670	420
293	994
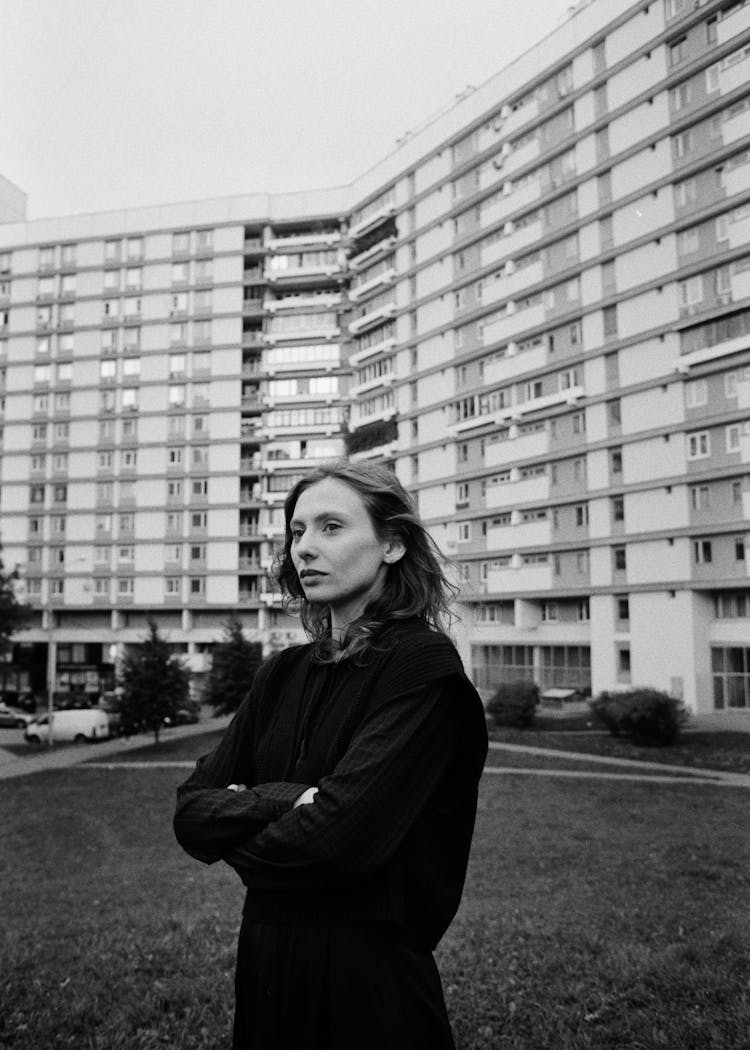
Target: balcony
300	240
296	302
372	384
513	321
733	25
380	280
356	262
513	363
511	200
382	313
510	494
513	282
737	127
513	449
512	242
530	534
518	578
371	351
369	222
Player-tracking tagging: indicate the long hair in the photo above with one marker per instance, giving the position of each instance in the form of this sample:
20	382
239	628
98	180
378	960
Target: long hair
415	586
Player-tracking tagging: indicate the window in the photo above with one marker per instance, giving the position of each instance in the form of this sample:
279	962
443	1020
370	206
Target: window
125	586
60	493
180	273
197	586
134	248
680	96
684	143
686	192
172	586
199	487
200	456
732	437
126	524
130	400
131	366
696	393
700	497
623	663
736	492
620	560
126	554
174	457
57	525
464	531
672	8
739	548
36	494
609	318
618	508
198	552
702	552
199	520
677	51
180	243
615	460
129	459
699	445
174	490
690	291
204	240
550	612
623	606
688	241
582	515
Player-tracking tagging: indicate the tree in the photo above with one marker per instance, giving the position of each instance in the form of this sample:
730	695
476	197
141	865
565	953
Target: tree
234	663
154	683
14	615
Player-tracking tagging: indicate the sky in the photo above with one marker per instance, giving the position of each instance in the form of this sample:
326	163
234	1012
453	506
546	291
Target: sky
109	104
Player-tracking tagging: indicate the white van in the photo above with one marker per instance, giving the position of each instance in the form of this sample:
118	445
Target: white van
77	725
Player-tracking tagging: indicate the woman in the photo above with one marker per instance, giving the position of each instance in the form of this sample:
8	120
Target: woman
344	791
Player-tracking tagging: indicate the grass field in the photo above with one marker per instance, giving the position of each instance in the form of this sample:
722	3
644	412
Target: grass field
596	915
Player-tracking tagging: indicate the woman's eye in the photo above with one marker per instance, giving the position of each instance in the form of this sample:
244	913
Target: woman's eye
331	526
296	534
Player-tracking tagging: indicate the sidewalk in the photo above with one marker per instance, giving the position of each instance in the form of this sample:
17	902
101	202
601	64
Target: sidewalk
62	756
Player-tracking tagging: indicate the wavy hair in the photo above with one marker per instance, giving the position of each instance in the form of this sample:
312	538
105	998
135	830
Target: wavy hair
415	586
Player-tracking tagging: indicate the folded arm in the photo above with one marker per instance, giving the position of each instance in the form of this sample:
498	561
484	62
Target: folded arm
365	807
209	819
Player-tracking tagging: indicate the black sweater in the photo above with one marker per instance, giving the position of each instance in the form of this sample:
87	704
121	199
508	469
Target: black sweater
396	749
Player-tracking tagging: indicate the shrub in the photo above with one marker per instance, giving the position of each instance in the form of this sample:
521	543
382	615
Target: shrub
514	704
648	716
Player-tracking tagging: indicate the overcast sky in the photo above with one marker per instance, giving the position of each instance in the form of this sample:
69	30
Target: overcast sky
119	103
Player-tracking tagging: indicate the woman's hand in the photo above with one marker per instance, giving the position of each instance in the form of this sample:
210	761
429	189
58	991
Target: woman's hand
236	787
306	797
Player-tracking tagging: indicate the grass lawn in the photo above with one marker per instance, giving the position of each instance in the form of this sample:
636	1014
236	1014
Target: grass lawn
596	915
721	750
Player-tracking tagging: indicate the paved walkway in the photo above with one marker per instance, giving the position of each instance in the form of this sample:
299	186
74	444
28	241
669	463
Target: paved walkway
94	757
64	755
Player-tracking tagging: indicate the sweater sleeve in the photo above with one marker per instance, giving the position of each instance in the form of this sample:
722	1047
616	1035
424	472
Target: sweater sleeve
209	819
367	805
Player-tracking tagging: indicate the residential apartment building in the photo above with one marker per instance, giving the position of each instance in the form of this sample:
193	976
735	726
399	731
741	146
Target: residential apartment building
537	309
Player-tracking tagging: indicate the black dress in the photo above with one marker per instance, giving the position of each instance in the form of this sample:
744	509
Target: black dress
346	897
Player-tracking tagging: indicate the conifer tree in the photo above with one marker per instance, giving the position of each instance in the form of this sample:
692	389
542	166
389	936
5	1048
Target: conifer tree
154	683
234	663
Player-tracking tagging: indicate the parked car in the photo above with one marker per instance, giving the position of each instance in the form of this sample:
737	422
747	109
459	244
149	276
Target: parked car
78	725
188	715
11	716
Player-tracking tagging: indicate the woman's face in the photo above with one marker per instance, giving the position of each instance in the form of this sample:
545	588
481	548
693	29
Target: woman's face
337	554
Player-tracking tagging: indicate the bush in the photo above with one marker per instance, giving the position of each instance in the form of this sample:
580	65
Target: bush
648	716
514	704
